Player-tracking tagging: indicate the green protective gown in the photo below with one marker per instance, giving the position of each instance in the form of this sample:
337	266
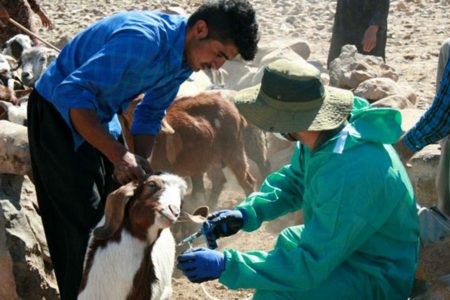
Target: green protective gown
360	239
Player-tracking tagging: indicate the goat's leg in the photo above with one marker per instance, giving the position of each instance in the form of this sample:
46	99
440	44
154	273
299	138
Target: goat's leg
198	190
218	181
255	142
240	168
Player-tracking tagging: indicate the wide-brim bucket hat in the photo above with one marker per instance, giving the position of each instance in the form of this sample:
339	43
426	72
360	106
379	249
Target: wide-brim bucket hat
292	97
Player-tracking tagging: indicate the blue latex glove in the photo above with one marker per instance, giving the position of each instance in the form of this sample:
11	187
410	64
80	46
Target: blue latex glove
224	223
201	264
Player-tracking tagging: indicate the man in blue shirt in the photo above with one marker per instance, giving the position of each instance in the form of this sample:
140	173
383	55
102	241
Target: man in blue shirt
74	132
434	125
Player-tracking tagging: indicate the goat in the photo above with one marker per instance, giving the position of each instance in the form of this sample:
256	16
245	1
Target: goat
16	45
131	252
13	113
7	81
209	132
34	62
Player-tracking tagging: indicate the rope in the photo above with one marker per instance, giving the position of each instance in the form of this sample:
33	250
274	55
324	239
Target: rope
208	295
15	23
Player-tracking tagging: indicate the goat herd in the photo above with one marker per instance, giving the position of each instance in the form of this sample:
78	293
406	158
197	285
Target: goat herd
21	64
205	134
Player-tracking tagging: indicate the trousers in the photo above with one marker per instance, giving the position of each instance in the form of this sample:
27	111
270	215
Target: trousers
71	187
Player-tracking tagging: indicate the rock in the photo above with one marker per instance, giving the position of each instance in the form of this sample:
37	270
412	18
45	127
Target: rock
292	50
438	290
388	72
394	101
238	74
378	88
7	284
22	243
434	261
351	68
422	174
301	47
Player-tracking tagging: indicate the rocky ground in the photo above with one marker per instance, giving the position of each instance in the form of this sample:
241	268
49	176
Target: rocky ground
416	29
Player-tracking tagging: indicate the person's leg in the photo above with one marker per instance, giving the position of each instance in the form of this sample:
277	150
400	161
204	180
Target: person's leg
335	48
71	188
443	174
443	177
344	283
443	59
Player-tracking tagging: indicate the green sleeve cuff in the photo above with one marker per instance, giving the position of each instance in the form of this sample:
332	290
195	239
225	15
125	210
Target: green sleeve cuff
228	276
251	222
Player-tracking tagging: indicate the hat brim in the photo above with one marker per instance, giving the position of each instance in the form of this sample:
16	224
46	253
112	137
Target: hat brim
256	108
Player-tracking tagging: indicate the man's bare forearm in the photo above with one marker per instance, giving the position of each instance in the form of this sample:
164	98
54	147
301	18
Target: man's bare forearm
88	125
143	145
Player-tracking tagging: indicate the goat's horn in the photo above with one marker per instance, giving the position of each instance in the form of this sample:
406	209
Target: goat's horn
166	128
114	210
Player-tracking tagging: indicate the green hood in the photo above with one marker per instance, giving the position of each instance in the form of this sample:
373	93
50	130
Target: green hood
371	124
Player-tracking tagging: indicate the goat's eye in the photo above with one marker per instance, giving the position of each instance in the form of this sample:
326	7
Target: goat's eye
152	185
42	60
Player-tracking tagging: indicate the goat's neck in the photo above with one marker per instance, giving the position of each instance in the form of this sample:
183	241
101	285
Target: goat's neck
147	235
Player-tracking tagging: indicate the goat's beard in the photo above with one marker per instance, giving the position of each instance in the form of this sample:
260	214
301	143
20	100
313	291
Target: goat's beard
164	220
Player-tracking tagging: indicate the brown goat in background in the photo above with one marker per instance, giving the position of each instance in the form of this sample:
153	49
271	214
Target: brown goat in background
208	134
202	134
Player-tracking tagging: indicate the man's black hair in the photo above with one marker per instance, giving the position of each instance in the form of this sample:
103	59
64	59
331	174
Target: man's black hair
230	20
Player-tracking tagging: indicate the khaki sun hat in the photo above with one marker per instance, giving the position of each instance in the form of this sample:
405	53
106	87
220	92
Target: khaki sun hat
292	97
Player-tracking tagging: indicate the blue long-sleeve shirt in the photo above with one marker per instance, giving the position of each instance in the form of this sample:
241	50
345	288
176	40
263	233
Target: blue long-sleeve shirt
114	60
435	122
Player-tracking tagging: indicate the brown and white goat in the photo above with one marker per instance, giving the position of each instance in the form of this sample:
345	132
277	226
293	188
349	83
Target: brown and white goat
132	251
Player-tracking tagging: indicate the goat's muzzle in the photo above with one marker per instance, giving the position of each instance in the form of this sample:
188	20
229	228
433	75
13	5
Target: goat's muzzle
171	213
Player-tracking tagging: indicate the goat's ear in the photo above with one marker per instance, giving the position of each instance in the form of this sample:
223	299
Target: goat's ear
199	215
115	210
201	211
